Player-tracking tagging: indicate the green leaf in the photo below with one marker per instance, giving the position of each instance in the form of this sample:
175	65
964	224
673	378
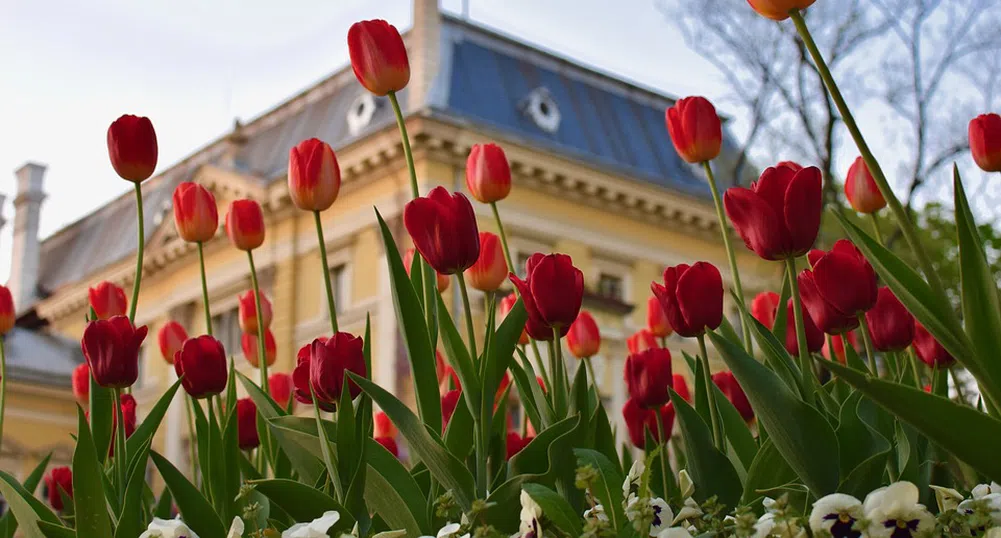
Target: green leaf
302	502
768	473
457	439
555	508
231	458
604	437
145	430
711	469
458	358
965	432
780	324
326	452
776	355
415	334
701	399
542	401
51	530
196	511
800	433
500	353
102	408
607	487
526	394
28	510
131	521
8	524
738	437
217	465
88	493
864	450
163	505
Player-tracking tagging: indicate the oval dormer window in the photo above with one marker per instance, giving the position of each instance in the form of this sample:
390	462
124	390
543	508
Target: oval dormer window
542	109
360	113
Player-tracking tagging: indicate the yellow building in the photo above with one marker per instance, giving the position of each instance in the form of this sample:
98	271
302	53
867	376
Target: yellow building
595	176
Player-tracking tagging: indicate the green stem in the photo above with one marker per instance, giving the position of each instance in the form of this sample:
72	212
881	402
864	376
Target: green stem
542	370
869	350
262	332
898	210
3	384
216	499
470	330
407	153
139	255
713	411
503	238
594	378
192	453
731	258
121	458
875	227
663	454
559	388
959	386
205	290
326	273
806	369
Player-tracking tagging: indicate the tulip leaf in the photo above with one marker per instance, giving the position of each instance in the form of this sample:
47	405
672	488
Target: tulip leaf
526	394
102	408
800	433
963	431
738	436
710	468
500	353
604	437
150	423
556	509
51	530
607	484
775	353
416	337
302	502
546	413
130	523
88	492
444	467
457	436
230	465
8	524
701	399
458	358
768	473
28	510
195	510
780	324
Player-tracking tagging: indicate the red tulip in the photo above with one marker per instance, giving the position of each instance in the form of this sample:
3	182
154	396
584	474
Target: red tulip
840	286
111	348
196	216
648	376
324	368
695	129
7	311
839	346
300	377
552	293
132	147
584	339
128	416
985	142
515	443
792	165
448	403
280	388
681	387
245	224
81	384
314	178
814	336
641	341
170	338
861	190
107	300
389	444
764	308
201	364
246	424
248	342
927	388
408	260
692	297
891	326
383	426
59	479
779	216
488	175
248	312
639	420
506	305
656	319
929	350
378	56
730	388
443	228
778	10
490	269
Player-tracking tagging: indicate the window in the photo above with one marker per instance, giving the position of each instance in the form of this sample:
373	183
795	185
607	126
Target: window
610	286
361	112
226	329
338	285
541	108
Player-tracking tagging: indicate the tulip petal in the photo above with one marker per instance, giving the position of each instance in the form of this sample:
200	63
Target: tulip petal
773	185
756	222
803	206
557	288
841	282
700	296
825	316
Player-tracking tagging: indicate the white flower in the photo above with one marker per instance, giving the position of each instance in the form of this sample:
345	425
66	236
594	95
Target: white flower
631	485
450	530
531	512
982	490
894	511
236	528
768	526
769	504
991	501
946	498
674	532
685	484
598	512
689	510
168	528
663	516
836	514
391	534
314	529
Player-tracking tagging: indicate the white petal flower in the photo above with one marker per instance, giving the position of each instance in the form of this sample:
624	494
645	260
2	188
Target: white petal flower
992	501
836	513
685	484
448	530
236	528
315	529
946	498
391	534
598	512
167	528
769	504
663	516
689	510
768	526
631	485
531	512
674	532
986	489
894	511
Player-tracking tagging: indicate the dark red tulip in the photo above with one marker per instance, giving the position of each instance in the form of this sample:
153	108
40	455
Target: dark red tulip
490	270
111	348
196	215
778	10
81	384
840	286
443	280
378	56
641	341
506	305
448	403
443	228
389	444
779	216
838	343
107	300
246	424
639	420
681	387
7	311
170	338
245	224
764	308
692	297
552	292
248	312
488	175
891	326
814	336
203	365
648	376
325	367
985	142
314	178
300	377
861	190
584	339
695	129
929	350
132	147
656	319
248	342
59	479
730	388
280	388
515	443
128	416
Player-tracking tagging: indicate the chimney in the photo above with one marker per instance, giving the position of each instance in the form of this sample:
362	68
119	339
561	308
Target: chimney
425	43
26	250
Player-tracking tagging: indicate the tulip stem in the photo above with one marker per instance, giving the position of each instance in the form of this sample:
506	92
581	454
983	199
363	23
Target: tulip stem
559	372
121	458
869	350
594	378
470	330
804	351
731	258
205	290
875	227
331	306
139	254
663	452
3	384
713	410
262	333
191	436
898	210
503	237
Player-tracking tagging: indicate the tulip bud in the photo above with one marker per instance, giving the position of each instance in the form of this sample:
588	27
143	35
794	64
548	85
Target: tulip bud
248	312
648	376
245	224
838	345
246	424
640	420
170	338
314	178
383	426
111	348
132	147
81	384
584	338
7	311
280	388
248	342
764	307
389	444
324	367
490	270
408	260
201	364
378	56
985	142
656	319
107	300
681	387
196	216
59	482
695	129
448	403
929	350
488	175
890	324
641	341
506	305
443	228
778	10
552	293
730	388
861	189
840	286
692	297
515	443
